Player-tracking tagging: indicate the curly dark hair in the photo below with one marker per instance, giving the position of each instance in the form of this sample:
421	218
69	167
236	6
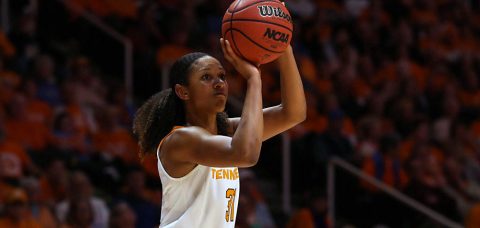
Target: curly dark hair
164	110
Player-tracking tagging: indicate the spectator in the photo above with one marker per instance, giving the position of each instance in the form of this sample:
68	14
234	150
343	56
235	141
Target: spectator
14	161
122	216
369	132
253	210
80	214
53	182
82	116
111	140
333	141
39	211
313	214
427	184
143	202
85	83
67	139
37	111
44	76
473	218
16	211
6	47
10	81
18	126
82	205
24	38
118	98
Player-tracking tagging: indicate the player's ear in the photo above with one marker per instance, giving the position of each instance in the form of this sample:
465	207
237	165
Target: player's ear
181	92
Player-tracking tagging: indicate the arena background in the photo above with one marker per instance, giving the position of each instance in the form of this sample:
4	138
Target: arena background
392	88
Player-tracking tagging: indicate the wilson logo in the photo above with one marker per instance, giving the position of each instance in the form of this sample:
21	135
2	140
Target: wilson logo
270	11
275	35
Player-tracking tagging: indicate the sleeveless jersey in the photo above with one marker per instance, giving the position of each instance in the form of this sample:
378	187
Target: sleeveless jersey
205	197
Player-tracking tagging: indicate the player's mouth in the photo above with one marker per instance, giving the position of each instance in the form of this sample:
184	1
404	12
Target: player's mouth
220	92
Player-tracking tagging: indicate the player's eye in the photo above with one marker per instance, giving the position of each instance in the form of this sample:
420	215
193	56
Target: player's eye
222	76
206	77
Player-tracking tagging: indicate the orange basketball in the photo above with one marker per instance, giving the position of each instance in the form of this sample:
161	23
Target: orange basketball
258	30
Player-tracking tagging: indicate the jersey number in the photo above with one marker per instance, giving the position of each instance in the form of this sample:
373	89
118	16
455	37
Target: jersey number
230	195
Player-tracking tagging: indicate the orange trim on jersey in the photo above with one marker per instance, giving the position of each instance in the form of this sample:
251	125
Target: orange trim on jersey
166	136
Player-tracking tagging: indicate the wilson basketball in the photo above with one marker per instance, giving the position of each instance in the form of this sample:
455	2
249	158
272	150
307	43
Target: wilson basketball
258	30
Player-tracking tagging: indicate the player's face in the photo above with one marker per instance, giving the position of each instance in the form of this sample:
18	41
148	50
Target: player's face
208	88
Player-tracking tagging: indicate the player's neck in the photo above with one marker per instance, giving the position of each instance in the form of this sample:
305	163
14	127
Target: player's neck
207	122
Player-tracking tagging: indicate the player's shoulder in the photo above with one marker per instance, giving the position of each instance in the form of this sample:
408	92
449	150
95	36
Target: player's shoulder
185	136
182	141
189	131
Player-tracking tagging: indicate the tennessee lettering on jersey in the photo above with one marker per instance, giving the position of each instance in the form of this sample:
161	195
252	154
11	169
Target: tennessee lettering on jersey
228	174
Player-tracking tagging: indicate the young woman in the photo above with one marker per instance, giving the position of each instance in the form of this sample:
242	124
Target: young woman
198	147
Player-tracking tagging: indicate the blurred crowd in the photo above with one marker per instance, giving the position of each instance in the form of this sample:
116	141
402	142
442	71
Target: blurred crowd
392	87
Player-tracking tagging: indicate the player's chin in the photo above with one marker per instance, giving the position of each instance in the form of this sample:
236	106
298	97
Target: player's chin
220	105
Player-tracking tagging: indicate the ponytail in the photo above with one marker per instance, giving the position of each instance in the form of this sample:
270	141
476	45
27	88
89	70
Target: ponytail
156	118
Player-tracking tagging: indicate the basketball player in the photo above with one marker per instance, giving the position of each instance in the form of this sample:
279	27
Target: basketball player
198	148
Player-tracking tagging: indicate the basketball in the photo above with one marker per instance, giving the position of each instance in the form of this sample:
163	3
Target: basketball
258	30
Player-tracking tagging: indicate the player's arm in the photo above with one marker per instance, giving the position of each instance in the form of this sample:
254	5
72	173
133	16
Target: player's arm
292	110
197	146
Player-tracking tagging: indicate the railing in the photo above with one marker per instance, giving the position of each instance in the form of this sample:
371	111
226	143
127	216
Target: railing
128	52
5	23
286	178
383	187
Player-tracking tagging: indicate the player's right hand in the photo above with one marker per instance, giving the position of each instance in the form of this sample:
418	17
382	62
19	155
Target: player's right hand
245	68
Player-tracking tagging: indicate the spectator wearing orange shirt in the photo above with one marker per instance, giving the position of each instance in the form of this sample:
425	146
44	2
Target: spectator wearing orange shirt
53	183
470	92
82	116
111	140
315	123
419	138
66	138
38	211
424	13
173	50
118	98
385	165
37	111
33	136
369	131
103	8
473	218
14	161
16	211
375	14
9	82
405	116
45	78
6	47
313	214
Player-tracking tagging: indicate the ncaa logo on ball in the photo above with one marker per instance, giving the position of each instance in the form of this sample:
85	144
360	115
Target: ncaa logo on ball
270	11
276	35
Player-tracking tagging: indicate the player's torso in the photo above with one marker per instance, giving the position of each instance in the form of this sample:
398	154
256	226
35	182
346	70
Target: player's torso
206	197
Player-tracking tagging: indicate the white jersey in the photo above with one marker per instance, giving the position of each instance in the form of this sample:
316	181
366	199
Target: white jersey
205	197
